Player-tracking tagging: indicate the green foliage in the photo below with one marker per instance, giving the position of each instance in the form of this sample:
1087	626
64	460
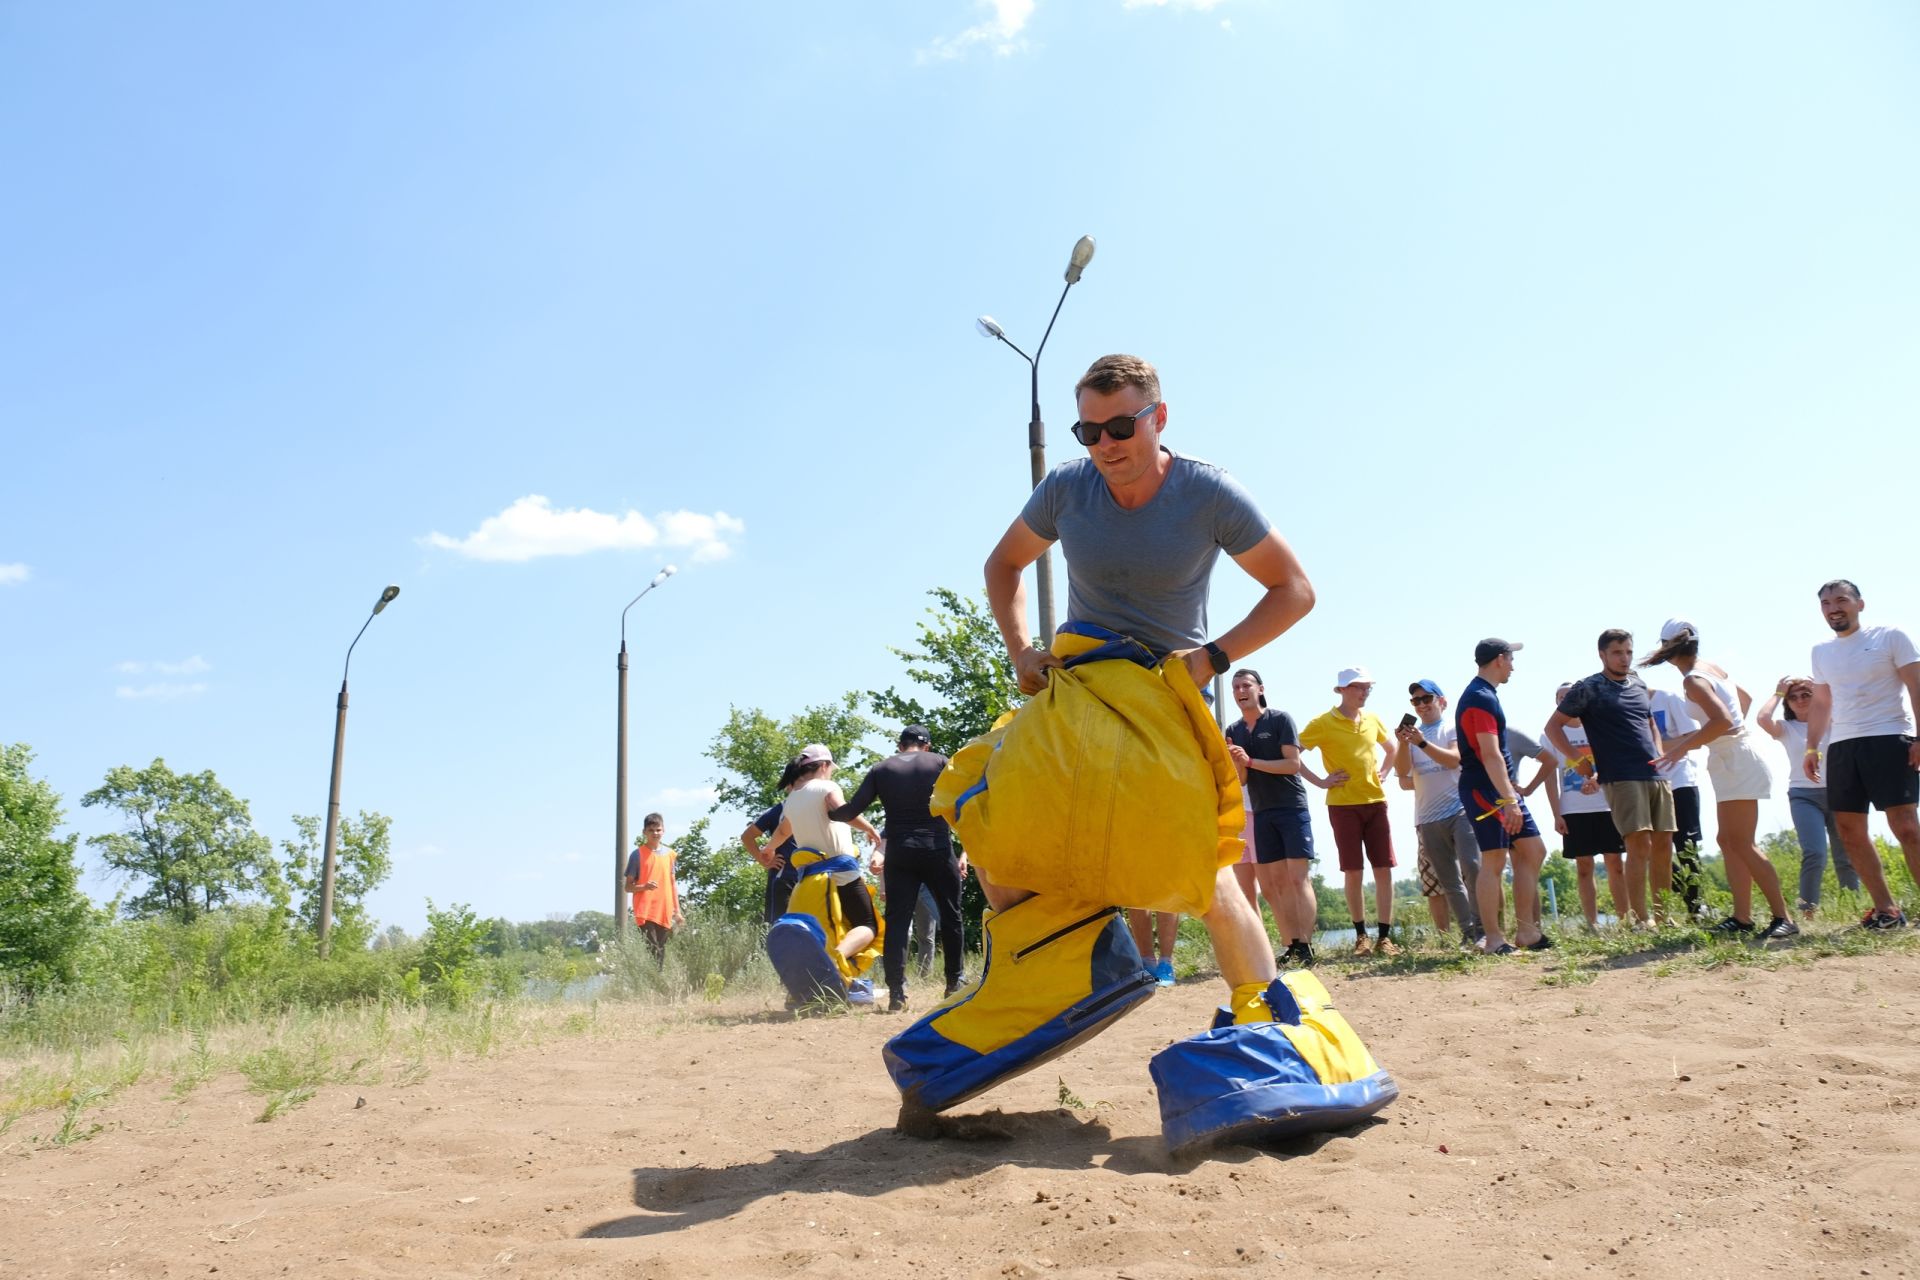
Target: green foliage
449	948
362	862
726	879
752	748
963	661
189	843
711	944
43	915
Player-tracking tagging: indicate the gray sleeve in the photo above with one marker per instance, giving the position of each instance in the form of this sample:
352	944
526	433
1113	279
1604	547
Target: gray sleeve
1042	512
1520	746
1238	525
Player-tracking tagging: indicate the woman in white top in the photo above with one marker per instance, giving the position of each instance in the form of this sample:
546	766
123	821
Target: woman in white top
1738	772
1812	819
803	816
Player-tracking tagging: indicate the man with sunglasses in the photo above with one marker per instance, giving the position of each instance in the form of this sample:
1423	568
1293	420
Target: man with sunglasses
1141	527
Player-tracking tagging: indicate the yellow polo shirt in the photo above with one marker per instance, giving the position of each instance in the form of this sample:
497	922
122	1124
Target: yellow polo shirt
1347	744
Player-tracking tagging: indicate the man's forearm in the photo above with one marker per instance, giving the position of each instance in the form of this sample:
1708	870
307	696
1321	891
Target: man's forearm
1271	617
1007	598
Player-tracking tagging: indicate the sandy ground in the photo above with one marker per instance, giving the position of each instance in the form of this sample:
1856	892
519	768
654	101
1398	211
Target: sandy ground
1738	1122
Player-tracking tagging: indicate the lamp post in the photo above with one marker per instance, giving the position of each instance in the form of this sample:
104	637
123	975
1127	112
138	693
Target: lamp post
1036	429
620	772
333	788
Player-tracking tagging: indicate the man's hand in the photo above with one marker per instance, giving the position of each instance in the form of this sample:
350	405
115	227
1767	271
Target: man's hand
1913	754
1380	774
1238	755
1810	764
878	864
1407	733
1510	818
1589	786
648	885
1338	778
1030	667
1560	826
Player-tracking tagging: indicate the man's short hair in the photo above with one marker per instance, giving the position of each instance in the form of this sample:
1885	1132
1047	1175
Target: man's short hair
1109	374
1612	636
1838	583
651	819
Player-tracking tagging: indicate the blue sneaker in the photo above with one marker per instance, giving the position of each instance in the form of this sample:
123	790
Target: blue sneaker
1163	973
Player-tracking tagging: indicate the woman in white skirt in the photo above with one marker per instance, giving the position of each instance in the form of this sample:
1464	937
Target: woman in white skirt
1737	770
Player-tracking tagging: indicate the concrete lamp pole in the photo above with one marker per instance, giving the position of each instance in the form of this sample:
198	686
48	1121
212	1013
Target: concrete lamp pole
620	772
333	789
1036	429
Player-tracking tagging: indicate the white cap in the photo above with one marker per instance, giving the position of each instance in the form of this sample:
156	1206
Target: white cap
1677	627
816	753
1351	675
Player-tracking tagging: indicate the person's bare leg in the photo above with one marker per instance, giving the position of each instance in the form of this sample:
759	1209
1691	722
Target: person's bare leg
1492	895
1246	874
1639	853
1140	925
1865	859
1356	895
1617	885
856	940
1738	820
1383	894
1166	927
1660	875
998	898
1240	943
1437	908
1739	878
1528	853
1589	900
1905	821
1295	910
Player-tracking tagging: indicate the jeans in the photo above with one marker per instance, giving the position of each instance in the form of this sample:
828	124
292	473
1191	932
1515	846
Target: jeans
1813	825
925	912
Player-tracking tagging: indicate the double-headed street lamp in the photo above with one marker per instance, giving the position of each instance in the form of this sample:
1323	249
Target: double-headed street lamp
1036	429
333	789
620	772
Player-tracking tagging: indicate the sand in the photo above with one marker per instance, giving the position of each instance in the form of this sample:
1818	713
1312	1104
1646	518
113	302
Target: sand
1705	1123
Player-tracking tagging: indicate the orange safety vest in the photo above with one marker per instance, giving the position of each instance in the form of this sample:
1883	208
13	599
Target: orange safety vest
661	904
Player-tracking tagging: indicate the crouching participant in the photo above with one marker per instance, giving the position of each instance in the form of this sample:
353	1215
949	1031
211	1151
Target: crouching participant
829	938
1113	788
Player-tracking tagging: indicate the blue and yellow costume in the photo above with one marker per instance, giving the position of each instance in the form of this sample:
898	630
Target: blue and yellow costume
1113	788
804	943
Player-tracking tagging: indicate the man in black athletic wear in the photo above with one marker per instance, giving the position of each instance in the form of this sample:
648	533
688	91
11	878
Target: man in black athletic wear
919	852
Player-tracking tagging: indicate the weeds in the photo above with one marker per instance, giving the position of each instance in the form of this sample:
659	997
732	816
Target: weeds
1068	1098
70	1131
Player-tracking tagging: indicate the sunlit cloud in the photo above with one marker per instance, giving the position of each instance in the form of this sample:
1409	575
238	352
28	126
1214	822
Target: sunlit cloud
1000	33
531	528
163	692
12	575
1201	5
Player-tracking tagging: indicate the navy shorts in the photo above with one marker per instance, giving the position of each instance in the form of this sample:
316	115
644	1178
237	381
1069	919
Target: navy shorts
1871	771
1280	834
1488	834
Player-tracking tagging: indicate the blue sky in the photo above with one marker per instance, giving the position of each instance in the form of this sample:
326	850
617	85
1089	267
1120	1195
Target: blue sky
1518	319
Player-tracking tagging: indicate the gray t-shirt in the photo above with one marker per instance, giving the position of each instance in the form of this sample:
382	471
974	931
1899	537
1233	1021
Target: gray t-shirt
1144	573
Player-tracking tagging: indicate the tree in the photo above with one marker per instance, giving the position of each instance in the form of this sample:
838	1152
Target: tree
725	879
190	839
361	863
962	659
43	915
753	747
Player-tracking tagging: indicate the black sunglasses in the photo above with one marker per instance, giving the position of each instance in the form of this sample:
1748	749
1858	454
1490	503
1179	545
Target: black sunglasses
1421	699
1120	428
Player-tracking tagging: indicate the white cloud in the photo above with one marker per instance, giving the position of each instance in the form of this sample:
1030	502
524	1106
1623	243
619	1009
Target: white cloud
12	575
160	692
1201	5
530	528
191	667
1001	33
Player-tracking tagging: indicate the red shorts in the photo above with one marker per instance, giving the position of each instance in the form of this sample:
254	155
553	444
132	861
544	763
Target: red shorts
1361	825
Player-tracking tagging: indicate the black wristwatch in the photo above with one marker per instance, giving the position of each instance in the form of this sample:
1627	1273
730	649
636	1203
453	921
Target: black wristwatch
1219	657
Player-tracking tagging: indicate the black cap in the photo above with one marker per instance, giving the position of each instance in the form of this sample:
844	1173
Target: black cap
916	733
1492	647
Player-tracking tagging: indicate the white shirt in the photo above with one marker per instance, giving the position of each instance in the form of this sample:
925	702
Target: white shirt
1674	715
806	807
1571	799
1794	739
1436	788
1863	671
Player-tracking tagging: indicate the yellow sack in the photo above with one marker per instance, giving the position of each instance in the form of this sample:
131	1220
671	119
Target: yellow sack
1112	787
817	896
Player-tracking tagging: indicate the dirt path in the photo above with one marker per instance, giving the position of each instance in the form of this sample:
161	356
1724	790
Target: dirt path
1739	1122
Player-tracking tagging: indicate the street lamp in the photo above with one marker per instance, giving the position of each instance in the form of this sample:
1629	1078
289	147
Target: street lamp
620	772
1036	429
333	789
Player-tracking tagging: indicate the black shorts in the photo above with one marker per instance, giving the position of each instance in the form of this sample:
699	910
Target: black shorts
856	906
1871	771
1686	817
1590	835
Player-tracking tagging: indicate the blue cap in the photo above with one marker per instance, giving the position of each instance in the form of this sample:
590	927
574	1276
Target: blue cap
1428	685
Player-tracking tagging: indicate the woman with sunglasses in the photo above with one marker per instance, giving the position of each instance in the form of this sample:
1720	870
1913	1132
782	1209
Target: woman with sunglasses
1739	775
1812	820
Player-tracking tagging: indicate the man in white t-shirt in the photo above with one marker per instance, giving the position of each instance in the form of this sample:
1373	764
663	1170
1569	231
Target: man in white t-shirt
1674	717
1427	764
1863	681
